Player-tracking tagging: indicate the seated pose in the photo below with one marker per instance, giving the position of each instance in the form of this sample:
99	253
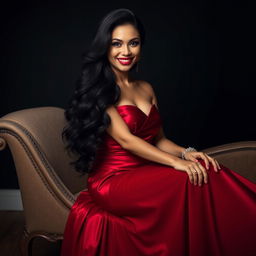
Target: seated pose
147	196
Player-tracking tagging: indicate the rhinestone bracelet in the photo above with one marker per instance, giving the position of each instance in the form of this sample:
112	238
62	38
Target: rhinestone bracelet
187	150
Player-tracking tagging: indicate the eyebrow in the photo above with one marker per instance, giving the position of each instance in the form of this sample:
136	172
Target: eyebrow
121	40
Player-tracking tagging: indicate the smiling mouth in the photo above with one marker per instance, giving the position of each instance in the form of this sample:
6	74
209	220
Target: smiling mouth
125	61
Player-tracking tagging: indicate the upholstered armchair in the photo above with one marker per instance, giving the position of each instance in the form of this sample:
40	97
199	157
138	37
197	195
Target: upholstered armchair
49	185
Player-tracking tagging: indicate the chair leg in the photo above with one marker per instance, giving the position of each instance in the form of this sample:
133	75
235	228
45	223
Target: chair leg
27	240
25	243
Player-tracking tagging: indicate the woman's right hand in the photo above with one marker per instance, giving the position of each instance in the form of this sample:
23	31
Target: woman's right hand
196	172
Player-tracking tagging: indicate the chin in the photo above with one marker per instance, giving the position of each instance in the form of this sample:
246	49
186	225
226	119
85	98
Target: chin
123	68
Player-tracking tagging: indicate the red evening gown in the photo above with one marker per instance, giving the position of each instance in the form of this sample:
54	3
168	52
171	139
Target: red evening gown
137	207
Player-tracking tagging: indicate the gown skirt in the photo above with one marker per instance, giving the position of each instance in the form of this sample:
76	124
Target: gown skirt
137	207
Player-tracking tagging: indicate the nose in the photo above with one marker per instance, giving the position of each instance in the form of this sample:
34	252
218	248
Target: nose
127	50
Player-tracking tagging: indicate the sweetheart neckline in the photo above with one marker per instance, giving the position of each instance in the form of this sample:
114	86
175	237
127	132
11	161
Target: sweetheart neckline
129	105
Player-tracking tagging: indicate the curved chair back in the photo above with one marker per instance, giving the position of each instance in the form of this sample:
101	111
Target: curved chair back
48	183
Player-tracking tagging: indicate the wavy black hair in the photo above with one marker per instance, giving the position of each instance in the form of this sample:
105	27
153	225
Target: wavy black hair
95	90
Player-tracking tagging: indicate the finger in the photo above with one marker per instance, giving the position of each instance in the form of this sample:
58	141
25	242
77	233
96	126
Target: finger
194	159
194	172
200	177
214	164
206	160
199	174
191	171
190	175
218	164
205	174
210	160
196	156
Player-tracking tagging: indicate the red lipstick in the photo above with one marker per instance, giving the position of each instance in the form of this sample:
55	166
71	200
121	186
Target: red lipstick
125	61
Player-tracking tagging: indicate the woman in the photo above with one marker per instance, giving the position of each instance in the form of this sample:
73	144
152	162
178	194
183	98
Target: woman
146	195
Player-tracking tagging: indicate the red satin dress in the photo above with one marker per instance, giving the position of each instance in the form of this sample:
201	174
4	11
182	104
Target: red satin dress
137	207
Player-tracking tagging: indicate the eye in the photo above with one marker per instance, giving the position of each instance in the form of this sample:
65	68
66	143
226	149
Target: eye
115	43
136	42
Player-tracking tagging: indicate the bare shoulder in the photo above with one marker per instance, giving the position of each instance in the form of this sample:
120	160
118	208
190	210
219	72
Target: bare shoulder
145	85
149	89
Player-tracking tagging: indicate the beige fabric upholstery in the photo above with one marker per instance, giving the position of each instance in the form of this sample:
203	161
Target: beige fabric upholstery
48	184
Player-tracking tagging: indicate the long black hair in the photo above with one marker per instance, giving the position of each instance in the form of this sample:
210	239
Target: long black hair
95	90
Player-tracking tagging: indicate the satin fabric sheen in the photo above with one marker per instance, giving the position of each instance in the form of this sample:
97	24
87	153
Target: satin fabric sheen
137	207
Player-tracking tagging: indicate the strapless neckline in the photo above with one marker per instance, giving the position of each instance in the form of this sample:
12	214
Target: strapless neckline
129	105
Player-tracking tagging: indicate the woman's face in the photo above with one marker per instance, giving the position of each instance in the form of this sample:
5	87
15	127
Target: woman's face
125	47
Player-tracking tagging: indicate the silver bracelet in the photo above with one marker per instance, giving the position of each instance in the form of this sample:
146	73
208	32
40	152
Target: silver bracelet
187	150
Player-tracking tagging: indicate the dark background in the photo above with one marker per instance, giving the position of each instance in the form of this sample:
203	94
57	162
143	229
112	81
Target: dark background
198	57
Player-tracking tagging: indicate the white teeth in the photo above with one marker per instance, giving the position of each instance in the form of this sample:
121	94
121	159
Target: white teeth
125	60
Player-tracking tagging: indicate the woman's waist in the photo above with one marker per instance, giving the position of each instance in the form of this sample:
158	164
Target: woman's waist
117	162
117	157
105	165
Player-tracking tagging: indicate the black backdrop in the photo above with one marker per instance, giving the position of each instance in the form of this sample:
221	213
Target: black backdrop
198	57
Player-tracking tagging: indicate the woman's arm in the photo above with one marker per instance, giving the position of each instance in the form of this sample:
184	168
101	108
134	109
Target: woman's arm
119	130
167	145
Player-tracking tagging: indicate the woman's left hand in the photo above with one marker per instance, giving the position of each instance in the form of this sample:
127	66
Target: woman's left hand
193	155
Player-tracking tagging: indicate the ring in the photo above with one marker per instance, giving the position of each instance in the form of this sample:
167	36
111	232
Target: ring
195	171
